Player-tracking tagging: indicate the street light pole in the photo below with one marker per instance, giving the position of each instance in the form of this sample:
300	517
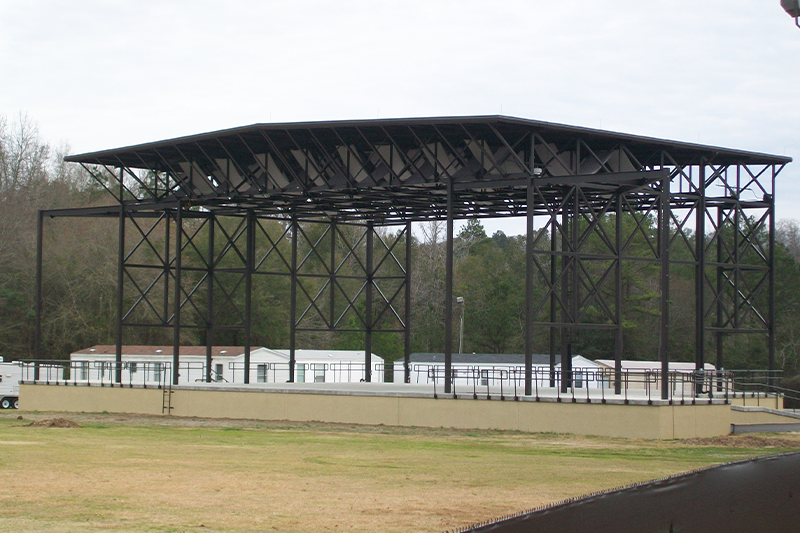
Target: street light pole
792	7
460	300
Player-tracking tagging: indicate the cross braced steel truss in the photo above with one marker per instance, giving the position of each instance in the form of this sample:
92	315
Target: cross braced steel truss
594	201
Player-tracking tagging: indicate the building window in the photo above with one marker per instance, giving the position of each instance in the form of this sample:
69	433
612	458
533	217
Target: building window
319	373
578	379
83	370
132	367
262	373
301	374
484	378
218	372
157	372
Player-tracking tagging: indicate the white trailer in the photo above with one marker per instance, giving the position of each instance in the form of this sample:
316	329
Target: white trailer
10	376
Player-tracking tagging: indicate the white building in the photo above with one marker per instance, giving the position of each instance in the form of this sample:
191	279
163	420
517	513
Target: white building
150	365
483	370
651	366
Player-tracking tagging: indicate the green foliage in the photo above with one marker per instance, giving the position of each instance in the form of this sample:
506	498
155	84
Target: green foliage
472	230
792	399
492	283
787	310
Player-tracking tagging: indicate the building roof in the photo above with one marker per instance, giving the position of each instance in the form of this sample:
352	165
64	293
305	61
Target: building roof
397	170
652	365
482	358
223	143
216	351
355	356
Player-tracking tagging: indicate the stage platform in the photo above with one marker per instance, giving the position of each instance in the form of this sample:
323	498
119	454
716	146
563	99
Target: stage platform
581	411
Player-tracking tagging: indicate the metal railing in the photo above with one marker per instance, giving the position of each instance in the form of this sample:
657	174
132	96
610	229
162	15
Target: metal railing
278	372
148	373
583	384
100	373
761	387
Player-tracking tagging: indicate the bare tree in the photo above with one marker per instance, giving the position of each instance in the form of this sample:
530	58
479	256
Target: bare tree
427	287
24	157
788	234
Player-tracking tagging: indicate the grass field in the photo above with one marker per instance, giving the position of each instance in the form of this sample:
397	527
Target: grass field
129	473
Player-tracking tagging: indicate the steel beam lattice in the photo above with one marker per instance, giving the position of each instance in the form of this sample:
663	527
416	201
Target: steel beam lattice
329	206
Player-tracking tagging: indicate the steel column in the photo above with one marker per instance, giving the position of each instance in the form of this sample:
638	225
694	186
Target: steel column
448	295
720	287
565	293
248	283
553	299
176	333
573	301
618	338
771	304
737	278
407	330
700	270
573	279
211	221
529	272
120	288
663	250
37	341
166	267
368	310
332	274
293	302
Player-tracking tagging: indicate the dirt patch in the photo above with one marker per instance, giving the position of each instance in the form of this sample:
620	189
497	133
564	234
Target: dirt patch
54	423
747	441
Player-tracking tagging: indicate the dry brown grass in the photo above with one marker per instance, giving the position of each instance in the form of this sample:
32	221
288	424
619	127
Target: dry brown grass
132	473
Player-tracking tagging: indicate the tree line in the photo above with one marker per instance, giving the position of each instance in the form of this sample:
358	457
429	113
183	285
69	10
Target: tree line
80	279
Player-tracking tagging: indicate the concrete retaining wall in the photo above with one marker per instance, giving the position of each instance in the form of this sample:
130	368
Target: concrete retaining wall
761	415
634	421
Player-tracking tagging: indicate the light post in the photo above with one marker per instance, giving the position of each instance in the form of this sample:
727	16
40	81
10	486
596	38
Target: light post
460	300
792	7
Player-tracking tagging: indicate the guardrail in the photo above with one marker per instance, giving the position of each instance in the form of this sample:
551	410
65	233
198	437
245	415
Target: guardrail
101	373
148	373
272	372
759	393
583	384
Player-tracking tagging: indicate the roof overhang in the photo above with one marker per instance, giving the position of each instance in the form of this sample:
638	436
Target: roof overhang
397	169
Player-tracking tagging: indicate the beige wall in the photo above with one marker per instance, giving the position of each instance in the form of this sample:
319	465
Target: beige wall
636	421
89	399
760	417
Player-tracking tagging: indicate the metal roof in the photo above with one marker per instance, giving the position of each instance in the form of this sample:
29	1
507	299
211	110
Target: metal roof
132	155
396	169
162	350
480	358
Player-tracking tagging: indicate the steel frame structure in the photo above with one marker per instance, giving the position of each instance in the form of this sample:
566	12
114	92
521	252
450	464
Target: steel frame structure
596	196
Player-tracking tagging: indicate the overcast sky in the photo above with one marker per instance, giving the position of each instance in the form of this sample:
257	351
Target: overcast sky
100	74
